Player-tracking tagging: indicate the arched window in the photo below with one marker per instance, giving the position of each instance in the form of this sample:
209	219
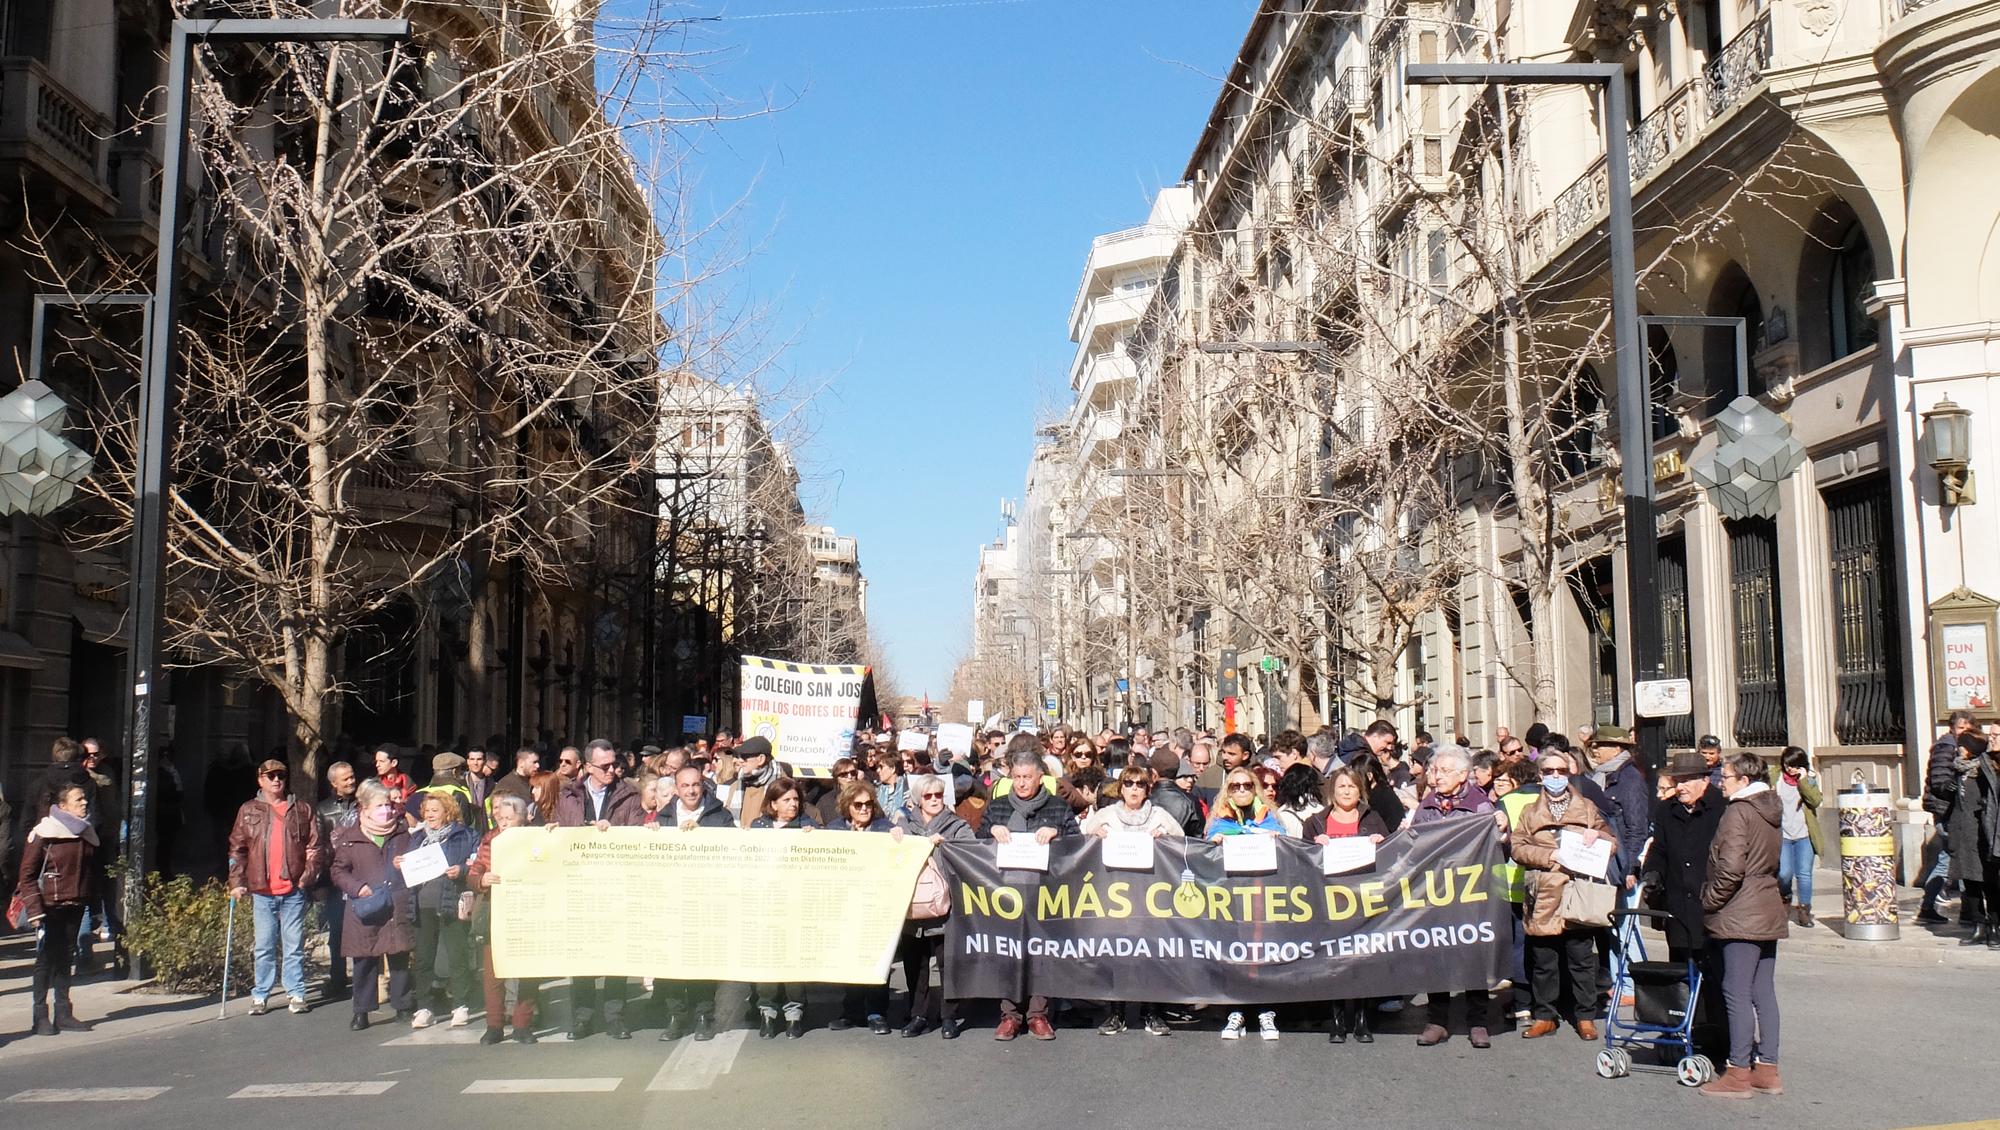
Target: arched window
1850	329
1734	296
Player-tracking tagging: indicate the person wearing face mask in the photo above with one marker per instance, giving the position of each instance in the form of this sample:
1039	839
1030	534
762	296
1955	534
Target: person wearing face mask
1798	792
377	930
1554	946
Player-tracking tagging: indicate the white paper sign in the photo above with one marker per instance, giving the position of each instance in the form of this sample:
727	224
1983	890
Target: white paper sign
1022	853
956	737
1251	851
424	864
1128	851
975	711
1593	860
1663	698
1347	854
912	740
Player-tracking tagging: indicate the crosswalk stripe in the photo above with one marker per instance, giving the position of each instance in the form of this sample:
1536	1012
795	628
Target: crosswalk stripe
696	1065
88	1094
540	1086
313	1090
434	1037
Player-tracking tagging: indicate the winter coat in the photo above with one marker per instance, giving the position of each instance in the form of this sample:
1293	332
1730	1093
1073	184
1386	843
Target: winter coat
358	862
250	841
879	824
1181	806
1371	825
1975	822
1157	818
1740	895
1631	809
460	845
1294	818
947	824
1941	777
1053	814
750	790
1534	840
805	820
1676	865
622	806
1472	799
713	814
58	868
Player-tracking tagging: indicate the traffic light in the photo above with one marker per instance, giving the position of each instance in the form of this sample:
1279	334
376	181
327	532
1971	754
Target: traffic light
1228	681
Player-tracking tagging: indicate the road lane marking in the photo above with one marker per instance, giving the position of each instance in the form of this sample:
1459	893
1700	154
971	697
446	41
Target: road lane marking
88	1095
312	1090
426	1037
696	1065
540	1086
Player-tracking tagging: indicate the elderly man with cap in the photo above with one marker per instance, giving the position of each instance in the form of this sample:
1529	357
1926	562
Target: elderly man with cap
1675	867
448	779
274	856
752	769
1631	816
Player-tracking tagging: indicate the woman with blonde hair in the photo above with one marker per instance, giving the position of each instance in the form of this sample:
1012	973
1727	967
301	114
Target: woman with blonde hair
1240	810
439	929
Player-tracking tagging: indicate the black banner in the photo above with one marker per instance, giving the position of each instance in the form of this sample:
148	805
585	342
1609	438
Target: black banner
1431	915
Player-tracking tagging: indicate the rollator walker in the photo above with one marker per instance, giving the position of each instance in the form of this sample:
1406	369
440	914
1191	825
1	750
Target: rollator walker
1665	996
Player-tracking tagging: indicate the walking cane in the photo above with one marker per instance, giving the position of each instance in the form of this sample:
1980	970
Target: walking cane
228	940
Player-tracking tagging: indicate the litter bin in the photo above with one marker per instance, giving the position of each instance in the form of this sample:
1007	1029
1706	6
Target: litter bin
1868	864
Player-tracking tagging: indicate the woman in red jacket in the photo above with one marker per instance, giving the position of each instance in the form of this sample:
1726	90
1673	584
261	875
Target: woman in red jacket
508	812
58	878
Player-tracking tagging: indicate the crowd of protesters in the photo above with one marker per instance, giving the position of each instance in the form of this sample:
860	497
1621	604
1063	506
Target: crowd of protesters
1723	842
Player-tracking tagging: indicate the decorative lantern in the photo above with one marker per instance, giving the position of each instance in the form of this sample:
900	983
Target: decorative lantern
1758	453
39	469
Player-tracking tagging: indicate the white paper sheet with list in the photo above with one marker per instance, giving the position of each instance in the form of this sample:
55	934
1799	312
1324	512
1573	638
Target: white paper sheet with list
1584	859
1347	854
1021	853
1249	852
1128	851
424	864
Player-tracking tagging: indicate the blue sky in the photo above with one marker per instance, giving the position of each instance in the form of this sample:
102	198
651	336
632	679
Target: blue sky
919	212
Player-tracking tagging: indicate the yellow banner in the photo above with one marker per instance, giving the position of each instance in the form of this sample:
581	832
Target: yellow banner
714	904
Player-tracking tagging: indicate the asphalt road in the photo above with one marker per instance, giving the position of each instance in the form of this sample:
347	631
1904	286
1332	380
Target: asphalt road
1866	1046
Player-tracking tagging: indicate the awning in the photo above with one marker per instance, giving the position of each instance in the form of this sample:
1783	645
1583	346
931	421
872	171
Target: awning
102	623
18	653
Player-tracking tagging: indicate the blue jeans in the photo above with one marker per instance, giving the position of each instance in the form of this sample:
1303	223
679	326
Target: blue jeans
281	921
1795	871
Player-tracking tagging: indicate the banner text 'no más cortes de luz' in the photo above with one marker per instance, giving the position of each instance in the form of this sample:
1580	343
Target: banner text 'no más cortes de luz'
1430	915
806	710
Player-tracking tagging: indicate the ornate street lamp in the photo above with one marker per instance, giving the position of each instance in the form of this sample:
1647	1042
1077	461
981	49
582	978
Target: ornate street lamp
1948	450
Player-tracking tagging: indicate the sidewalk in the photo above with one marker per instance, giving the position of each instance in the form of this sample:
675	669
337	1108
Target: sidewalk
115	1009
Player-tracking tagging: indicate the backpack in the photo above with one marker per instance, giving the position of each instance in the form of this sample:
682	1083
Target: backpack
932	898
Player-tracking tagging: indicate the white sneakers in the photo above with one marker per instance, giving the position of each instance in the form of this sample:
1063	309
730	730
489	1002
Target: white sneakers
461	1016
298	1007
1267	1026
423	1019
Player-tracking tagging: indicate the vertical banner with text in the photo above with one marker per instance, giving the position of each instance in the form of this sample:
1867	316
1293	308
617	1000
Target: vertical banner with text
807	711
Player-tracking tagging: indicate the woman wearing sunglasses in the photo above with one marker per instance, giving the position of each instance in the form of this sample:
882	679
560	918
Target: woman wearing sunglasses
860	811
1134	814
923	940
1242	811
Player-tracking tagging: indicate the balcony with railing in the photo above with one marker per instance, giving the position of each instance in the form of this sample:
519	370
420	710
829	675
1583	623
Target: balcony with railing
45	126
1102	377
1673	128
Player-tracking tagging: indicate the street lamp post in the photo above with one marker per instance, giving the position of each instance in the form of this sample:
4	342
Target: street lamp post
149	525
1635	437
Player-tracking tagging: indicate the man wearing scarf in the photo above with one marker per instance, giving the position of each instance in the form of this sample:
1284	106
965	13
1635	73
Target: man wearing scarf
751	769
58	879
1026	809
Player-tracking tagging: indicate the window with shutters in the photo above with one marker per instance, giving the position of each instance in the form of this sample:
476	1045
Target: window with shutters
1868	663
1760	650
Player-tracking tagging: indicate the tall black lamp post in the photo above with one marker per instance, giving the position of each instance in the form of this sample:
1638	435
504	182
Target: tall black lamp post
1635	436
149	525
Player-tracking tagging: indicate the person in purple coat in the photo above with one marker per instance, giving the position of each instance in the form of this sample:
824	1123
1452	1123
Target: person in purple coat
1454	795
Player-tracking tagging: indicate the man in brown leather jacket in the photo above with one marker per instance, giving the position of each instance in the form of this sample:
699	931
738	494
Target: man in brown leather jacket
275	855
